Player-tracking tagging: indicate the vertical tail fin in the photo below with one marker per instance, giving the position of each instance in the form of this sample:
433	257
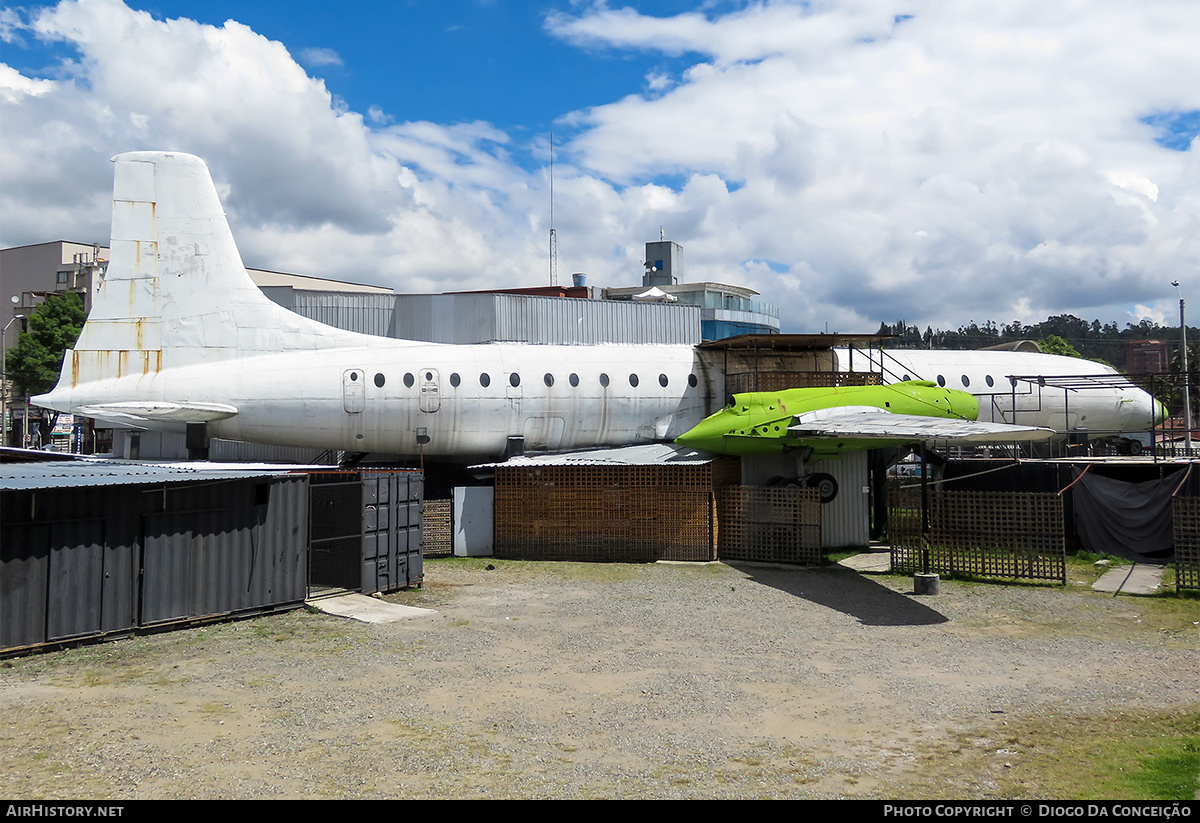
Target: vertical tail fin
176	292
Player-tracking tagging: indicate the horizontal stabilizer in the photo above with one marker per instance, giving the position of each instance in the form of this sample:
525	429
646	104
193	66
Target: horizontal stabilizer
869	422
136	413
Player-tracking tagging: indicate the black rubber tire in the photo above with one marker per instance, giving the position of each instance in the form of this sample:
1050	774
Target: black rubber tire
824	483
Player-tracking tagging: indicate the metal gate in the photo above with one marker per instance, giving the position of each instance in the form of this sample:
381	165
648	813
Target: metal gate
335	533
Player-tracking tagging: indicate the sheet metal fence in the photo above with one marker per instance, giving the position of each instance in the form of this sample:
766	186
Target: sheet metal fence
781	525
604	513
1185	514
1000	534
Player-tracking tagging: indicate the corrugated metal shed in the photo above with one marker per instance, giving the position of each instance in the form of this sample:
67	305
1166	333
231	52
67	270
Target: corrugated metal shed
94	548
367	313
493	317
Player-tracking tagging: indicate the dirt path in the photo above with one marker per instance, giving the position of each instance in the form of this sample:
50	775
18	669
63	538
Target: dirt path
565	680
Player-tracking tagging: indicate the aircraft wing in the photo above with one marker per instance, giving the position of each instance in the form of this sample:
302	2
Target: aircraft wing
137	413
868	422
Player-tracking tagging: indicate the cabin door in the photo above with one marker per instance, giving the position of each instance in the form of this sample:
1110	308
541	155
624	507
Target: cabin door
431	390
354	390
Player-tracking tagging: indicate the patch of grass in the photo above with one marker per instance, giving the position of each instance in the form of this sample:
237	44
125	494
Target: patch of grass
1128	756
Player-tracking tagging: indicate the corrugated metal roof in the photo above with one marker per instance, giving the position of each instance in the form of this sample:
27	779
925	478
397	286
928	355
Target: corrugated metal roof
649	454
78	473
794	341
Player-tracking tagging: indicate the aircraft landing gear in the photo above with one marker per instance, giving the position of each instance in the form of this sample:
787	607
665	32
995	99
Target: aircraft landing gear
823	483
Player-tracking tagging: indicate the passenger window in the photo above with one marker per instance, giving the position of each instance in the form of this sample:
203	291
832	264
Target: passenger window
573	379
988	379
692	381
379	380
514	379
455	380
548	379
633	379
941	380
408	381
604	380
662	380
484	380
966	381
907	378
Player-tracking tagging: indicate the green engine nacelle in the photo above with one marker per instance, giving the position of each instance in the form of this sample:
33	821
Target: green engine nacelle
757	422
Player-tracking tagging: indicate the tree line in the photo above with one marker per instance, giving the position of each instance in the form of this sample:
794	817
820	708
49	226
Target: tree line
1092	340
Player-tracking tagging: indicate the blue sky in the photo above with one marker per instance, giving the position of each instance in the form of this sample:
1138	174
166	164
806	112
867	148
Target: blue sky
855	161
445	61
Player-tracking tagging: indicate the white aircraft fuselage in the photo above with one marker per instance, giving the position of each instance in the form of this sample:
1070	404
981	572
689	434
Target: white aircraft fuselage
179	334
1096	398
380	398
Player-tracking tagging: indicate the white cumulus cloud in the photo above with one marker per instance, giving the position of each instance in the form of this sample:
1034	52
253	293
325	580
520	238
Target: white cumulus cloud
853	160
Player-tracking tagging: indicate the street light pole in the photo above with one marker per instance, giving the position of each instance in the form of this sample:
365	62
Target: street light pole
1183	361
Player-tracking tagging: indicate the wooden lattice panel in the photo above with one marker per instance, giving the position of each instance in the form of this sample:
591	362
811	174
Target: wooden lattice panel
1185	514
1000	534
604	513
780	525
437	528
780	380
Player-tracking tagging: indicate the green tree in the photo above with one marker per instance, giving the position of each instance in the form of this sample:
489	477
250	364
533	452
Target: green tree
33	364
1053	344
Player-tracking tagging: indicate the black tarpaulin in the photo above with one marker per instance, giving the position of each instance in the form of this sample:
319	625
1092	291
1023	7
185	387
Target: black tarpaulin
1130	520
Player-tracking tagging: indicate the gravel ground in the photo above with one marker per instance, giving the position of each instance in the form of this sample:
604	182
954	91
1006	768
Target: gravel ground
570	680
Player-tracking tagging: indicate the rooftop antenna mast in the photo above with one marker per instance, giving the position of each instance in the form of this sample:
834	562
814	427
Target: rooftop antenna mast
553	236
